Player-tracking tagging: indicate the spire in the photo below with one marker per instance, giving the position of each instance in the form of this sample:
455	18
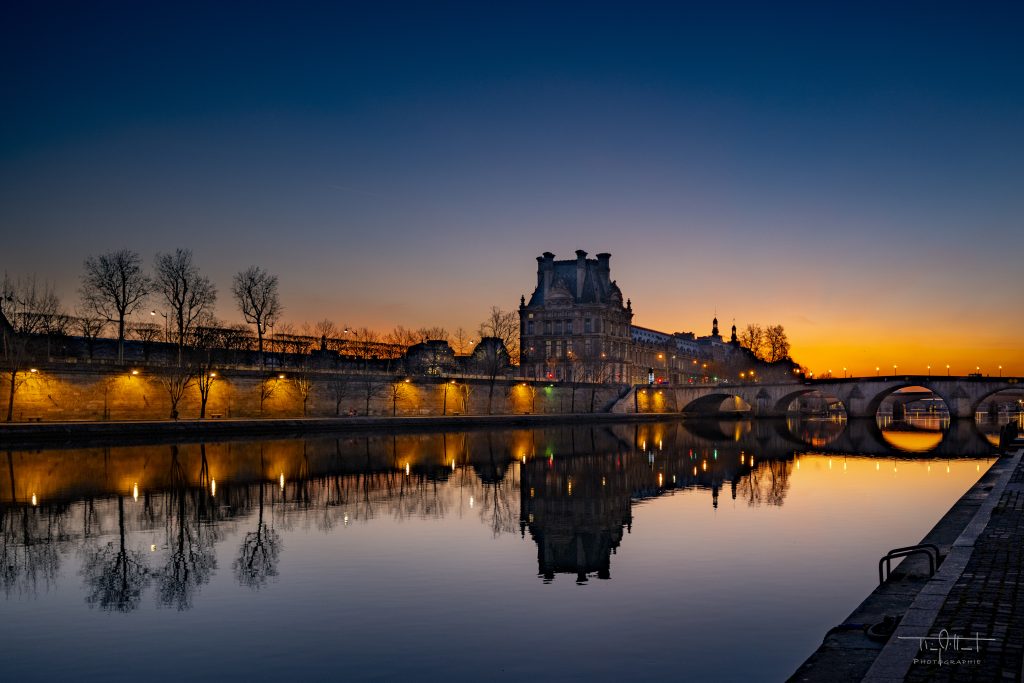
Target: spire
733	338
714	326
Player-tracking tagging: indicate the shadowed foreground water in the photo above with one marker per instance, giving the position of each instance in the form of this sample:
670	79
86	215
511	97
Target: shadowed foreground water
714	551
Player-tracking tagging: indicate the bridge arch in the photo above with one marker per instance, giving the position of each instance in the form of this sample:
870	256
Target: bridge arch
781	406
875	401
715	404
978	405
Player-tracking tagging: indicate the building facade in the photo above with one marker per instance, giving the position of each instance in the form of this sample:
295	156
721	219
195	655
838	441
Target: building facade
576	326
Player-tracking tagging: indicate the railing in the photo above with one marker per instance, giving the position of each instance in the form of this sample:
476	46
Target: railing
930	550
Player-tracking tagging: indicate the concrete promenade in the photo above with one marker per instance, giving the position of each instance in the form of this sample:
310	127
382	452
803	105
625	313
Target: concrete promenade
966	623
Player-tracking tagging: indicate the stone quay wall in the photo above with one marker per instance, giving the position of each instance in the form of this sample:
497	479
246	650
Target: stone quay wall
122	393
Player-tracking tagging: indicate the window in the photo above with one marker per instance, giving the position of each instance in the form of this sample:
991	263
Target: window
558	327
547	327
529	327
558	349
547	349
586	325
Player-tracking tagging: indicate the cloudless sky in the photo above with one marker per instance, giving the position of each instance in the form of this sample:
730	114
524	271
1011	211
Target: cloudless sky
853	171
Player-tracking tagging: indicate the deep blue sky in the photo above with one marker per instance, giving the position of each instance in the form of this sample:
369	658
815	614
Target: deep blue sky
853	171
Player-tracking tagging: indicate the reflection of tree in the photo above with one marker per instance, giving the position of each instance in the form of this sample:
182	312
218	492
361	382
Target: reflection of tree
191	560
28	552
766	484
114	575
257	558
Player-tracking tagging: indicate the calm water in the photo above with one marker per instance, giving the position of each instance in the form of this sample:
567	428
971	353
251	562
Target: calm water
714	551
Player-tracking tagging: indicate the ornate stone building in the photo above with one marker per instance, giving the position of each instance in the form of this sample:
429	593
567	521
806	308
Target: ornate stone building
576	327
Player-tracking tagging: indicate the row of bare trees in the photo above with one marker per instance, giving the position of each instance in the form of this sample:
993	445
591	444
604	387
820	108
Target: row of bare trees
114	286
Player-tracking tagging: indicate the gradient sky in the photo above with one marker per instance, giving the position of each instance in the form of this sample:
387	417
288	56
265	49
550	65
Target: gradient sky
854	172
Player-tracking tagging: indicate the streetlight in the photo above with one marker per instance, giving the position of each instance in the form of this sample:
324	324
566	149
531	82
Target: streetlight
167	333
894	366
1000	370
947	369
929	371
877	369
844	373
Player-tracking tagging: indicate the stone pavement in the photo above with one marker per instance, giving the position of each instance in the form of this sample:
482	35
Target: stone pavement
967	623
987	601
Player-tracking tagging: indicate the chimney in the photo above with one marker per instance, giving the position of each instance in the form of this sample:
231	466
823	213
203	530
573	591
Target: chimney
604	270
581	272
548	266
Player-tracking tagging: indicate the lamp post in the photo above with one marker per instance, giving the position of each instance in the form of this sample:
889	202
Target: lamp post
929	371
894	366
947	369
167	332
1000	370
844	373
877	370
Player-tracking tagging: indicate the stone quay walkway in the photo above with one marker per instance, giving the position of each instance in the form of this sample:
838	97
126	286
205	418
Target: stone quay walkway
967	622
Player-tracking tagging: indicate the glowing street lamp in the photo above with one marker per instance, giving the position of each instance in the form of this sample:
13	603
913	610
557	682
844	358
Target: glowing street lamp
1000	370
929	371
947	369
894	366
877	369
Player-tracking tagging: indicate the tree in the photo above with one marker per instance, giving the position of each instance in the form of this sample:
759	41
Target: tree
752	337
176	381
303	382
25	307
188	294
114	287
398	391
339	387
776	343
460	341
255	291
498	347
147	333
90	326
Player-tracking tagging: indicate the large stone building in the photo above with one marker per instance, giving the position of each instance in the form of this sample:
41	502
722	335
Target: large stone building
576	326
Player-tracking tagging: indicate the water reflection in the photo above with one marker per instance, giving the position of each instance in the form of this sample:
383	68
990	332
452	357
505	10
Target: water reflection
572	489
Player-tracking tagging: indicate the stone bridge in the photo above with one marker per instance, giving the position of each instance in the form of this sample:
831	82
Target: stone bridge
860	396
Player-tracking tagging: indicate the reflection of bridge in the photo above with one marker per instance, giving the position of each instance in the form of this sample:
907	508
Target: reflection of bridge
860	396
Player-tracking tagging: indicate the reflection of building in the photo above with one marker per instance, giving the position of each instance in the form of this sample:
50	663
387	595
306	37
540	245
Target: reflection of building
576	326
575	509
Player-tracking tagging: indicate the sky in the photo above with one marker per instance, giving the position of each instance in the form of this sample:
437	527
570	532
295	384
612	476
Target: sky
852	171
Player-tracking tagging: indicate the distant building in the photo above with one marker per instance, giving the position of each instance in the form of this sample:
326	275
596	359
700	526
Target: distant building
576	326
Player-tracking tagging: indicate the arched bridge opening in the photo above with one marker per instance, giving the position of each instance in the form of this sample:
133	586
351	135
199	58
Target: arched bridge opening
718	404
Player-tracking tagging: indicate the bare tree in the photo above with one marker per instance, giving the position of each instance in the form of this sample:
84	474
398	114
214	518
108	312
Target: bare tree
259	552
147	333
498	347
339	387
176	381
25	306
460	341
188	294
114	287
432	333
303	381
255	291
90	326
398	392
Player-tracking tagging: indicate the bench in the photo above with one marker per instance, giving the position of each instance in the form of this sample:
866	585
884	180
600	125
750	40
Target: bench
216	416
34	418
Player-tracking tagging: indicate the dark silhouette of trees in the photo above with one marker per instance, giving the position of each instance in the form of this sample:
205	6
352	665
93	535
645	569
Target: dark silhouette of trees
28	309
188	294
255	292
113	287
